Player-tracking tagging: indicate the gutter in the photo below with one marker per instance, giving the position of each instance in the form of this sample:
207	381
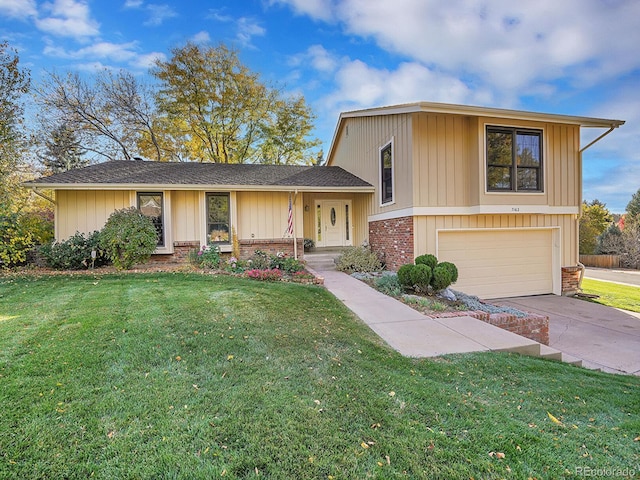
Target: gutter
611	129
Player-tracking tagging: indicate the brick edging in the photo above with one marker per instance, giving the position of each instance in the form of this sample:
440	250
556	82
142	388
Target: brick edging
533	327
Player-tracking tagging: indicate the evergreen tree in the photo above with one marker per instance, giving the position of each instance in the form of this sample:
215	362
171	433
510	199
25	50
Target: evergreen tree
62	151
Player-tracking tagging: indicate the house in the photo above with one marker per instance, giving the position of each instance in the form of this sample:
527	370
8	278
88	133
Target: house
495	191
195	204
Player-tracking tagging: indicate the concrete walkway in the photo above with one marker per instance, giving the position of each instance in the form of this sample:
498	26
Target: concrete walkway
410	332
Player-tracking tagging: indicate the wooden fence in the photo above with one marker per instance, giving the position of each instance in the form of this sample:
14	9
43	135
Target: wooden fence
600	261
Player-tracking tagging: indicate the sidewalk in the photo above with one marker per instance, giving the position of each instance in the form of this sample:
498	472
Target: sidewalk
409	332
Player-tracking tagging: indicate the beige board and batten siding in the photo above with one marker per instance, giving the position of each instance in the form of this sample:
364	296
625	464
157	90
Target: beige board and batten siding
264	215
357	150
86	211
186	225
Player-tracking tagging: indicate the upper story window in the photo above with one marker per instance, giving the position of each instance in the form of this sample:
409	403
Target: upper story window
386	174
514	159
218	218
150	204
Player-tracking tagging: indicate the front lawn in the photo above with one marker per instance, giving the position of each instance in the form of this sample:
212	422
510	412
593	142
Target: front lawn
612	294
197	376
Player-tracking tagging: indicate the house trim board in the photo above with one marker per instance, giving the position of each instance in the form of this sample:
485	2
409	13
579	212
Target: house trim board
476	210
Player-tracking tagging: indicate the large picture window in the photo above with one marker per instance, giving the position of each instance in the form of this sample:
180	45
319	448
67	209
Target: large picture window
218	218
150	204
386	174
514	160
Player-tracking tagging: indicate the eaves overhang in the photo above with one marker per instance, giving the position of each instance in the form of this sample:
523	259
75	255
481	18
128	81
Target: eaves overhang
200	187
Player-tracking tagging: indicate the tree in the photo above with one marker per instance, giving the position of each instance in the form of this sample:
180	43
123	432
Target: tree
594	221
109	114
633	207
14	83
226	113
62	151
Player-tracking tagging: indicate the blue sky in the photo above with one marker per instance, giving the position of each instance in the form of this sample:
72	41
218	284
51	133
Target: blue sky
575	57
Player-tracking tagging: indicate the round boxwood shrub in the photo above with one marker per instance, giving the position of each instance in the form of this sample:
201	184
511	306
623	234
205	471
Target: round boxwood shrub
430	260
441	278
404	275
128	237
452	269
420	277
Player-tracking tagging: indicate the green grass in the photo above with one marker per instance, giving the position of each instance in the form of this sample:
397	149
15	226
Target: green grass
169	376
613	294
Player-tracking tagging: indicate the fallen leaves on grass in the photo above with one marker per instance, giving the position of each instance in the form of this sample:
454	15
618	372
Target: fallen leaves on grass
555	420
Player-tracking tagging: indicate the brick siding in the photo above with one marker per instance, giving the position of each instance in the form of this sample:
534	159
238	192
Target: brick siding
180	253
392	241
270	246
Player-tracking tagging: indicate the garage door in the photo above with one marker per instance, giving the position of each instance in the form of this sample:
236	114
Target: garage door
494	264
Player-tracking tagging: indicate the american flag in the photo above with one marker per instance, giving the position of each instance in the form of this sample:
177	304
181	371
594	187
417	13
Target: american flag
290	219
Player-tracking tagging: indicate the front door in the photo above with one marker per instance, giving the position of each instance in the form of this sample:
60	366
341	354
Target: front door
333	223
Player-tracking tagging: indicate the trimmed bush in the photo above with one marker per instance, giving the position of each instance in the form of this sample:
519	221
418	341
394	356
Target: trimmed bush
404	275
452	269
207	257
74	253
358	259
441	277
430	260
420	277
128	238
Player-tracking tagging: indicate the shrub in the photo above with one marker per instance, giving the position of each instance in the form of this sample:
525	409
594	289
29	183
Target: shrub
389	285
291	265
420	277
404	275
268	275
128	237
208	257
260	260
308	244
430	260
453	270
358	259
441	278
74	253
15	240
40	224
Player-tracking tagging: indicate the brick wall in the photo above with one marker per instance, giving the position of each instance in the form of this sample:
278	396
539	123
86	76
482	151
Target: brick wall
534	327
180	253
570	280
392	240
270	246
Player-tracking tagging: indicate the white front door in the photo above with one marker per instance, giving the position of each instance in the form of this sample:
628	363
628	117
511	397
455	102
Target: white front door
333	223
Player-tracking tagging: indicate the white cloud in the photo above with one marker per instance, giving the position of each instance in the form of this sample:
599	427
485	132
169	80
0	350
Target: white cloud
158	14
247	29
68	18
510	45
133	3
18	8
148	60
118	52
318	9
201	37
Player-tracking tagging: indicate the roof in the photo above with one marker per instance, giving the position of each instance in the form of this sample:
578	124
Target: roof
475	111
189	175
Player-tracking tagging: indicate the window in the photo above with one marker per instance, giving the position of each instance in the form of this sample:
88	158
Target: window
514	160
218	218
150	204
386	174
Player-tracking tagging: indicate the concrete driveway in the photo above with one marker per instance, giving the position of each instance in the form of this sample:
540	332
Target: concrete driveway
603	337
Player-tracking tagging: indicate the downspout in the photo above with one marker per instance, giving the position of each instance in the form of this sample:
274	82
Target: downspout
593	142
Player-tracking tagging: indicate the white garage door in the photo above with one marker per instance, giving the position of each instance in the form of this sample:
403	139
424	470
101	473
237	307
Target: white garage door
500	263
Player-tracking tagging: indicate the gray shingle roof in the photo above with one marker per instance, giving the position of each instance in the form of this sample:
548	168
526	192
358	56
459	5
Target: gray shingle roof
160	173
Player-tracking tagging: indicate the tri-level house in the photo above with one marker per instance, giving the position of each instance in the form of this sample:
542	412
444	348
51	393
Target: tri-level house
497	192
